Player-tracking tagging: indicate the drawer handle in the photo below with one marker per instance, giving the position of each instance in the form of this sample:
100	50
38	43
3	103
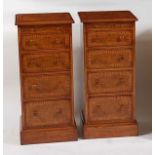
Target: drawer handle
34	64
121	81
42	88
35	113
59	111
57	41
32	43
35	87
122	37
98	82
120	58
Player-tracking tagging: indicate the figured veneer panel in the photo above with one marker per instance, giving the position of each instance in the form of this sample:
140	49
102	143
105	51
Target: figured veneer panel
46	29
99	27
47	113
110	108
110	82
44	42
110	58
46	86
46	62
109	38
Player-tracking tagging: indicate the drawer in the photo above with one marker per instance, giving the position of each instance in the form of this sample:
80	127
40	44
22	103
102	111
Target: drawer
47	113
46	86
45	42
45	62
46	29
110	108
110	38
110	58
110	82
98	27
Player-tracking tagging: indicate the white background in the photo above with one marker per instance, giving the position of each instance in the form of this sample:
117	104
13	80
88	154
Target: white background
140	145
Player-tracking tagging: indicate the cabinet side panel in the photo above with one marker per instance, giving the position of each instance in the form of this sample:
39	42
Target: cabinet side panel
71	73
20	74
85	74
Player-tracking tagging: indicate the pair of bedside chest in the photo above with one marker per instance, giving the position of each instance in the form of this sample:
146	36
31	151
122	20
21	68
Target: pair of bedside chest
46	73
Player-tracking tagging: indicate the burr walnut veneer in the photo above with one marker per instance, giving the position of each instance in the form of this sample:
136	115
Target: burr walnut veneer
109	71
45	50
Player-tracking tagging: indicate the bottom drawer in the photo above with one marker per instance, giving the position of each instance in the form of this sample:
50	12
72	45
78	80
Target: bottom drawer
110	108
47	113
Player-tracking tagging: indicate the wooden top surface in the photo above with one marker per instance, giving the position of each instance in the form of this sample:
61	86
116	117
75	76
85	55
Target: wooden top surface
106	16
43	19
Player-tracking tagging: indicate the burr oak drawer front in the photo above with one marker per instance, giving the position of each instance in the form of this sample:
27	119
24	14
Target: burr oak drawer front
47	113
110	108
46	29
110	26
110	82
109	38
55	61
46	86
110	58
45	42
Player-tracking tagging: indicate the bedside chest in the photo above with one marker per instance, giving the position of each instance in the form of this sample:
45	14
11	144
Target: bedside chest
46	72
109	73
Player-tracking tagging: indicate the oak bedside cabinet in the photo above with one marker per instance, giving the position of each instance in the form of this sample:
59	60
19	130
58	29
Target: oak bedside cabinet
109	73
46	73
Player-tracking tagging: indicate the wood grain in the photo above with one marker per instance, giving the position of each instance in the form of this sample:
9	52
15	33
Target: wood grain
48	113
44	42
49	62
110	58
46	86
110	82
110	108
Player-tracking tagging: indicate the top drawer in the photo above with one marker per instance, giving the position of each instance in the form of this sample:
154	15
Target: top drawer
110	26
109	34
46	29
110	38
45	41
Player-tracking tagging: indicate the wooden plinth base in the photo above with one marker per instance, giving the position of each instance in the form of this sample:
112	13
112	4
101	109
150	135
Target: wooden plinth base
113	129
33	136
110	130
